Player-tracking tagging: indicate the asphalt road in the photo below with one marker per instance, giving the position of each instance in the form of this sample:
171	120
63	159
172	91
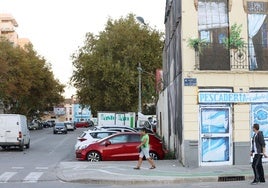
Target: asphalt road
39	162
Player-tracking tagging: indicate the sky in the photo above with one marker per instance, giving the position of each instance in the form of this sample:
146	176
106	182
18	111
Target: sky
57	28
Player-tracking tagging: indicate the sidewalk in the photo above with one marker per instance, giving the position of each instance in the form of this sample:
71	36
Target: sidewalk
167	171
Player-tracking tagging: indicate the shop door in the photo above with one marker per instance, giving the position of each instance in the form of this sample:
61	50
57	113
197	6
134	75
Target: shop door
259	114
215	136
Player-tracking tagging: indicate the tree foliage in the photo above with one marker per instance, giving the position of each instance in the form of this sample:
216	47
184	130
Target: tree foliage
106	75
27	84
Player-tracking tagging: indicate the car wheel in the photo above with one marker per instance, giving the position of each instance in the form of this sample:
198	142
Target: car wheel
4	147
27	145
153	155
21	147
93	156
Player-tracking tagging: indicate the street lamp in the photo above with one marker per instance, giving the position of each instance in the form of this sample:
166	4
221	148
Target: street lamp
141	20
139	102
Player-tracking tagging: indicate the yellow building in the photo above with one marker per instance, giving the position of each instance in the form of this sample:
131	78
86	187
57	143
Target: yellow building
215	79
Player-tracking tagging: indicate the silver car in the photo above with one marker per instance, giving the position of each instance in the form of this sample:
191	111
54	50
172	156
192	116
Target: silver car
69	125
88	137
60	128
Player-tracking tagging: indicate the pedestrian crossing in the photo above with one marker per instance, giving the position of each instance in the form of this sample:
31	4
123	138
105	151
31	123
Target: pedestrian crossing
32	177
19	174
6	176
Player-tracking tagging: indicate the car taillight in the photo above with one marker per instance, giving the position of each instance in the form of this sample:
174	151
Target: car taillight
20	135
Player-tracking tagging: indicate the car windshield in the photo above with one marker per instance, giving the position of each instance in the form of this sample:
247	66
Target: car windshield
116	128
100	135
83	135
59	125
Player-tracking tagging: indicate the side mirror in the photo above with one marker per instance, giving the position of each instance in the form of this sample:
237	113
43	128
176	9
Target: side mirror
107	143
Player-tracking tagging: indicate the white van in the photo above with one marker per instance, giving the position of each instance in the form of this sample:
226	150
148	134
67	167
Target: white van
14	131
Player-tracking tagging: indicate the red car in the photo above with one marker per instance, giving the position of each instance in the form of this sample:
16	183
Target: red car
81	124
120	147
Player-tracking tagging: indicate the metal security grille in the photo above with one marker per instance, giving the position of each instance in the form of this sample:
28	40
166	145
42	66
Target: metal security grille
231	178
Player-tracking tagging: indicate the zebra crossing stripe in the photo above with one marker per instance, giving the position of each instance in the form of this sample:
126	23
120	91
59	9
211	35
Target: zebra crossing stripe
17	168
6	176
41	168
32	177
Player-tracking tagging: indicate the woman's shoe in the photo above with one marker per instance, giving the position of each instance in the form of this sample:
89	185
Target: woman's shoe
152	167
136	168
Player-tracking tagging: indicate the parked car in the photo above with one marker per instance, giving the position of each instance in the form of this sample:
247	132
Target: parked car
45	124
60	127
146	129
52	122
115	128
69	125
88	137
35	124
14	131
81	124
120	146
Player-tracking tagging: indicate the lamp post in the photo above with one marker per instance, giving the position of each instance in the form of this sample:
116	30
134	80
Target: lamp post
139	102
141	20
1	107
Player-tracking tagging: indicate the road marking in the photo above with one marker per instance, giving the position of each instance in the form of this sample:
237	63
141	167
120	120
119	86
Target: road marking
108	172
17	167
6	176
32	177
41	168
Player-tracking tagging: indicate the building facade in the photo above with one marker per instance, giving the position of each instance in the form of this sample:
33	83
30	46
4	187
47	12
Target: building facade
8	26
215	65
72	111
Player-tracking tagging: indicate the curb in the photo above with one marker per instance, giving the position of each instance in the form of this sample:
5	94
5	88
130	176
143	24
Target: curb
155	180
167	173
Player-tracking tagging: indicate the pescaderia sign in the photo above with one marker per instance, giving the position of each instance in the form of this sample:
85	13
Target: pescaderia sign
224	97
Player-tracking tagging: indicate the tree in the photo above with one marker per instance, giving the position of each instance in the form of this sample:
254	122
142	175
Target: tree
106	75
27	82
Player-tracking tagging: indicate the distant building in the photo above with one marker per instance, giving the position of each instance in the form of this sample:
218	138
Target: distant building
22	42
8	26
71	110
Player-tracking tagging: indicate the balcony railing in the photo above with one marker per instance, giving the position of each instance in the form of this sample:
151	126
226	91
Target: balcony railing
217	57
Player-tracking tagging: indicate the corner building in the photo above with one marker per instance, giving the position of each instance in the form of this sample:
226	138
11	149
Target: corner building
212	95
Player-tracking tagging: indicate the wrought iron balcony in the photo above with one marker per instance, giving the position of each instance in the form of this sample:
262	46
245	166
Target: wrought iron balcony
217	57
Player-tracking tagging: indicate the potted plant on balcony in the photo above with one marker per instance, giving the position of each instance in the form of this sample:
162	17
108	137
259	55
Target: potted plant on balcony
234	41
197	44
